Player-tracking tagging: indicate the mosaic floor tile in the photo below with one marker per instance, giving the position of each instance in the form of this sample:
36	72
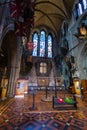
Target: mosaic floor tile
15	115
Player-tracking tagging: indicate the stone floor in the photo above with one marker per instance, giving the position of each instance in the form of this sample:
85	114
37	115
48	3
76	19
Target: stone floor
15	114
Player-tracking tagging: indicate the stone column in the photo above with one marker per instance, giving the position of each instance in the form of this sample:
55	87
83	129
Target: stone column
15	68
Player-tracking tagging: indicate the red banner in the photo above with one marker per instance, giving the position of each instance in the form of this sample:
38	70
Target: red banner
30	46
15	9
20	28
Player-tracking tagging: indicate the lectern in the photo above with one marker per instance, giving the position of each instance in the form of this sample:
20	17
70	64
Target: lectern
33	91
44	82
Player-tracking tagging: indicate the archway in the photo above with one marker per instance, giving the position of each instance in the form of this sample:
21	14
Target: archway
10	51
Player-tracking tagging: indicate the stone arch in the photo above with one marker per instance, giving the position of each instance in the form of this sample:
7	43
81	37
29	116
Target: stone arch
10	46
9	27
83	62
46	29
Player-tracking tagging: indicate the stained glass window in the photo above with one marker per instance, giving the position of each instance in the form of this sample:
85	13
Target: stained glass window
79	9
42	44
85	4
35	41
49	46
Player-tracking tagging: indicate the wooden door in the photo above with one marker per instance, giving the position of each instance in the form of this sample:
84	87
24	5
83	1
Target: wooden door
84	84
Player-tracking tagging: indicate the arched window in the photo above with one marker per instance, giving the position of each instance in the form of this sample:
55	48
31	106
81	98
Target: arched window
79	8
80	11
42	44
43	68
35	41
49	46
84	4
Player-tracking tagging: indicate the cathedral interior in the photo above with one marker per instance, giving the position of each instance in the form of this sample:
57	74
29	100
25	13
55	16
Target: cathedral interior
43	64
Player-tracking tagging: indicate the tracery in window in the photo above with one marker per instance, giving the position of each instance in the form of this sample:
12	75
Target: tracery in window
84	4
43	68
42	44
49	46
35	41
80	9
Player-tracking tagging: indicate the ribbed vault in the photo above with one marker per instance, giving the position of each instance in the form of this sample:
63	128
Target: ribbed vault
52	13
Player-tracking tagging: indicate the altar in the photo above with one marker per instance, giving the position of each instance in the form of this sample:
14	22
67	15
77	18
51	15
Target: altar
44	82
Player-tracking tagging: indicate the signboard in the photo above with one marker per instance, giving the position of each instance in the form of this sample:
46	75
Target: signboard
77	87
21	87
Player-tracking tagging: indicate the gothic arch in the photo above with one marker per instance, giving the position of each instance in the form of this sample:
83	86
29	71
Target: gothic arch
83	62
10	27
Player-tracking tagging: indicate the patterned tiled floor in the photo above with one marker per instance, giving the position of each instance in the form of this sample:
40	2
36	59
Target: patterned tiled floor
16	115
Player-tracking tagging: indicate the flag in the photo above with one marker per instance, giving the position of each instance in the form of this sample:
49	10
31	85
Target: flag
15	9
20	28
30	46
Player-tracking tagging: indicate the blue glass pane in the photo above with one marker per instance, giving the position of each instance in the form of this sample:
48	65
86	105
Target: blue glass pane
35	41
49	46
85	4
79	9
42	44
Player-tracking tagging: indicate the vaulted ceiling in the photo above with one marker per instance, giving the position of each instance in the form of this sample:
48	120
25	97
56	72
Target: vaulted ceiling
52	13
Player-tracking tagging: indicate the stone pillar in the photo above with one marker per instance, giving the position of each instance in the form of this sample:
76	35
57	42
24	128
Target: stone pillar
15	68
3	15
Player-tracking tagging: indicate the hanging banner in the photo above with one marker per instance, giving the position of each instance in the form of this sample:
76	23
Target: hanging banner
30	46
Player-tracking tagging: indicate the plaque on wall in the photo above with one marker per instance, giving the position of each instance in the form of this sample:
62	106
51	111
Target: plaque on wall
43	81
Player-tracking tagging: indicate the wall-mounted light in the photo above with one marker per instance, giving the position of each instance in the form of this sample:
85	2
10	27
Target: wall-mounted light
77	88
83	31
